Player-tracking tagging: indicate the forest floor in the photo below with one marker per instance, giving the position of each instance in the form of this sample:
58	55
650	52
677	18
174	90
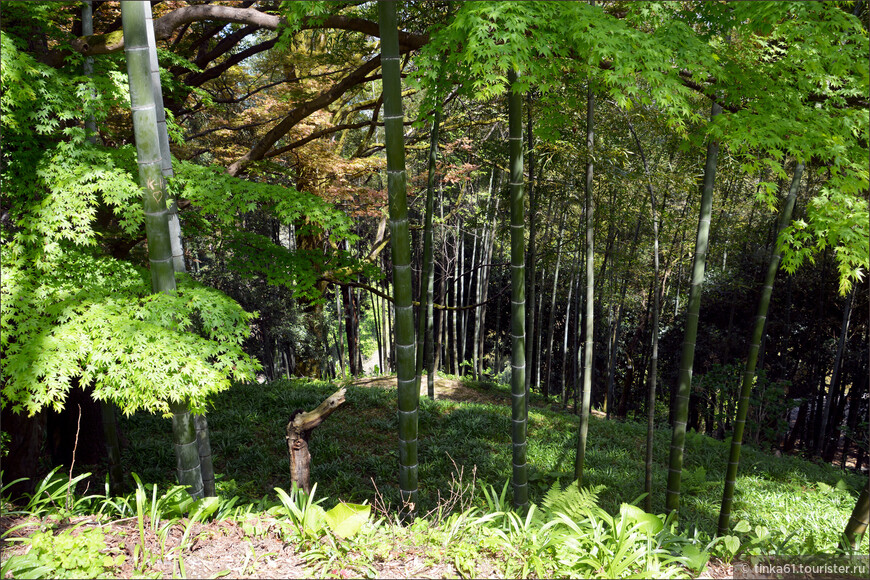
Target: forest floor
257	548
467	422
228	548
223	548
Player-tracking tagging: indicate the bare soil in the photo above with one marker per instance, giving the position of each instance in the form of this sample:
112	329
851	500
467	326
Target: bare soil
444	389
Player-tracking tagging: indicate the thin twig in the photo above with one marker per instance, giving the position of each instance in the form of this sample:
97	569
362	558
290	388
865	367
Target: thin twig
73	461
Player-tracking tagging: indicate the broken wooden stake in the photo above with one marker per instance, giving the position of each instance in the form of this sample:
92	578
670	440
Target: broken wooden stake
299	430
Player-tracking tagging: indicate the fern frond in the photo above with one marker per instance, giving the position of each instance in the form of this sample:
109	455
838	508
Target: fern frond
572	501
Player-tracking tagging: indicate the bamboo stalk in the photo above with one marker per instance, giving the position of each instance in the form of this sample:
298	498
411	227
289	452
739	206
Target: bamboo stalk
519	402
408	394
687	357
752	359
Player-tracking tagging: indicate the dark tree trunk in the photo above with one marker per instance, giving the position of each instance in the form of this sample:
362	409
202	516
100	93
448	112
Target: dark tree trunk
694	419
826	424
852	420
351	325
22	460
268	353
627	382
70	434
797	429
531	256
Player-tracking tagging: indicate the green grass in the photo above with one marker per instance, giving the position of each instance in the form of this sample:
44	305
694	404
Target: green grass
357	444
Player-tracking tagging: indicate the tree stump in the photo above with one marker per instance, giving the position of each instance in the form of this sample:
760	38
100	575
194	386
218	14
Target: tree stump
299	430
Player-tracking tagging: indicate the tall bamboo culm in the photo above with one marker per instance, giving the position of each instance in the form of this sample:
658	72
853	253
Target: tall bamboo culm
654	356
408	393
150	161
518	298
175	238
580	456
687	356
752	359
425	344
856	527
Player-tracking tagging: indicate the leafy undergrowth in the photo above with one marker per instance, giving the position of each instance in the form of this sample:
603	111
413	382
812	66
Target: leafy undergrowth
785	505
144	534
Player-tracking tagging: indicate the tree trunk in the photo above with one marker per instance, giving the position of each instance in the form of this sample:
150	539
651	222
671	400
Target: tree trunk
749	372
687	356
531	259
351	325
579	333
580	456
484	290
838	360
462	299
200	422
387	330
299	430
479	285
518	298
457	296
408	394
537	337
157	215
338	343
483	283
26	439
855	394
552	322
619	313
427	289
441	325
535	361
797	428
375	302
836	418
565	359
88	65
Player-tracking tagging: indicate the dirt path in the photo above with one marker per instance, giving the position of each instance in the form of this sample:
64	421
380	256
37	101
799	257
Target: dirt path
455	391
444	389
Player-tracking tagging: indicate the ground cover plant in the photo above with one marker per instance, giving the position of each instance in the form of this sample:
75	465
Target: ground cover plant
785	505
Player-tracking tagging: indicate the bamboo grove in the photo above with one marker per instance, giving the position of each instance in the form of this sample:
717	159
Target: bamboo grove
537	170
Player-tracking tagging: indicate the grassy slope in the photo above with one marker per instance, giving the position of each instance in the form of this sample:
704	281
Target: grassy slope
358	443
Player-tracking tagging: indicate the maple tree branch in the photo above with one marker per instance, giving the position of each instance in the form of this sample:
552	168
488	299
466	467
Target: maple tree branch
166	25
196	79
229	128
225	45
262	147
251	93
315	135
270	85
